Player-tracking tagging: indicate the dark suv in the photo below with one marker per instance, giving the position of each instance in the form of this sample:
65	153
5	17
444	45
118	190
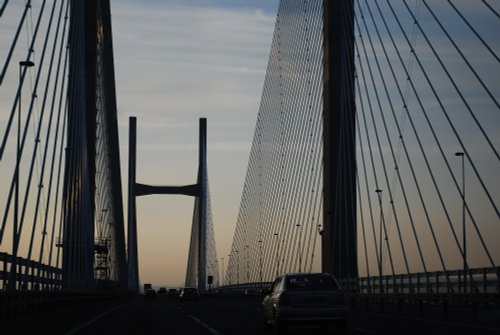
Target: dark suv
189	293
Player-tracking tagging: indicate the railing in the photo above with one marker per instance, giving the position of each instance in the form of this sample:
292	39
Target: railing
479	280
29	275
422	305
438	294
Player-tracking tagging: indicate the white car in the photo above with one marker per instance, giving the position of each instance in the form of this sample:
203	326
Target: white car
305	298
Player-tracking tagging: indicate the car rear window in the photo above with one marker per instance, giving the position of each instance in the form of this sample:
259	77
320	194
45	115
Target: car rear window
311	282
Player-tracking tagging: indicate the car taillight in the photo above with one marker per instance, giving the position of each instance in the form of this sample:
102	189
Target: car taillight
285	299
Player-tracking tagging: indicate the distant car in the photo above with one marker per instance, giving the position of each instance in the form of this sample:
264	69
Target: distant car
304	298
172	292
162	290
189	293
150	293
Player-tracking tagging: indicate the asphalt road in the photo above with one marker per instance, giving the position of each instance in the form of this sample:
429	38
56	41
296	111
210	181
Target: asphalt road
164	315
211	316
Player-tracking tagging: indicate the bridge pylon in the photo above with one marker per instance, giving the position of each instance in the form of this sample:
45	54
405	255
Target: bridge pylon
339	239
197	262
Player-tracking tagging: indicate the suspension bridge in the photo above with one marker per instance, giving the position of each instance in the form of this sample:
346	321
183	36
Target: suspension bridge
374	157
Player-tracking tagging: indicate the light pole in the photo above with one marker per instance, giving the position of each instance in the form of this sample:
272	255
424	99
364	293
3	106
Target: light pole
248	264
222	271
379	194
260	263
277	255
229	268
15	238
237	268
461	154
299	250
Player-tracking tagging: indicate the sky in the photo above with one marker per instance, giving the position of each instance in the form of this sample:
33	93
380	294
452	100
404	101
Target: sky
177	61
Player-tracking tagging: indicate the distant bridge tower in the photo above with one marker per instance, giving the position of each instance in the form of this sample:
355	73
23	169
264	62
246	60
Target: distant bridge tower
202	259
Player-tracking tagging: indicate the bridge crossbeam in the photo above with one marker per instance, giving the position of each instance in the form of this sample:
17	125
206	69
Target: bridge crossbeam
189	190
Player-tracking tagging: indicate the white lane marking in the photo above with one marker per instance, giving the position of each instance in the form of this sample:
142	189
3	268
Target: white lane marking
195	319
86	324
210	329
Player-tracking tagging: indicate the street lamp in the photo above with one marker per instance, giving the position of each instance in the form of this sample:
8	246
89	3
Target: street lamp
222	271
15	241
379	194
260	263
300	251
461	154
277	255
237	268
229	269
248	264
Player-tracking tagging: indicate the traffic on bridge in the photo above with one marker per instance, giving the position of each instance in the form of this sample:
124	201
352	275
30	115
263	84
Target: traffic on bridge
248	167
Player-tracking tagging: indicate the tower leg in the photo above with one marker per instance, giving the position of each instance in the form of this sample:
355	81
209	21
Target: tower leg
133	268
202	176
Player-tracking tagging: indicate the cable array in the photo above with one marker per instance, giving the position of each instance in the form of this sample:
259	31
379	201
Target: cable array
32	143
280	213
426	142
425	99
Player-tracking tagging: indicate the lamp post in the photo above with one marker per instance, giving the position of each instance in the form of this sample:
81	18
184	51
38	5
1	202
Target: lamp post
299	250
229	268
277	255
461	154
15	238
248	264
379	194
260	263
222	271
237	268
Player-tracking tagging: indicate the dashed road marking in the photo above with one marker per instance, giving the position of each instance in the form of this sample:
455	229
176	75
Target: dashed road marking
198	321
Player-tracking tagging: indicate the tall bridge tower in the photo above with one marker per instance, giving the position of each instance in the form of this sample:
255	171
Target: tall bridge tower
92	194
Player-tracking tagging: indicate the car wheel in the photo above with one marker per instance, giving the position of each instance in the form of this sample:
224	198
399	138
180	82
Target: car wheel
278	326
265	322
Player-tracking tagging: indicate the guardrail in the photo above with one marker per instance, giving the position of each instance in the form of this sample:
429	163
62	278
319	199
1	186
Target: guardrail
422	302
29	275
479	280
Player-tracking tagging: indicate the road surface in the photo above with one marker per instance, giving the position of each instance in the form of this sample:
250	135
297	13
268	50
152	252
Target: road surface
210	316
